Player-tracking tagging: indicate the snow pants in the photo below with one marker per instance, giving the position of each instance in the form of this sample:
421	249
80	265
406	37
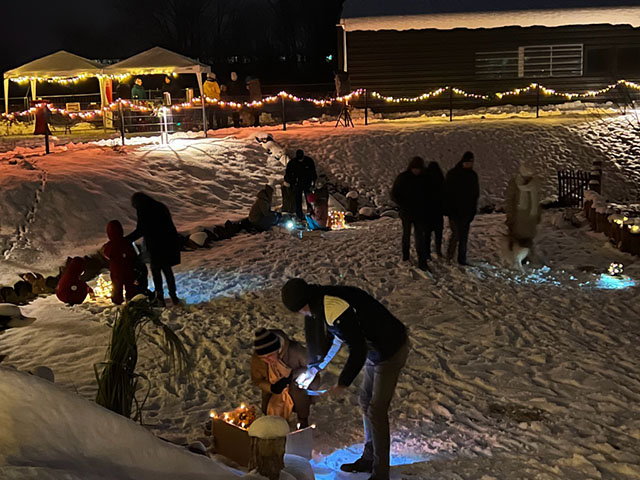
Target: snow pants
298	193
131	290
378	387
459	238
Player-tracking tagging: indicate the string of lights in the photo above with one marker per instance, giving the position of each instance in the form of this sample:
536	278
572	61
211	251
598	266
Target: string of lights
197	102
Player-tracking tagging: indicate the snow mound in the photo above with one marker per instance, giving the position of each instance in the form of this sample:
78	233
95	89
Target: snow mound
49	433
269	427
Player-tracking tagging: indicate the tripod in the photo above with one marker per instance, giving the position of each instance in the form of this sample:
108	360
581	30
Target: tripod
344	118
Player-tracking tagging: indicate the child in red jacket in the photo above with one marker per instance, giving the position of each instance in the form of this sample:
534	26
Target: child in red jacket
121	257
70	288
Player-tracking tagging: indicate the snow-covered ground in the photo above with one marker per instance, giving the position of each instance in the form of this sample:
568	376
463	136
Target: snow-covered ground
511	376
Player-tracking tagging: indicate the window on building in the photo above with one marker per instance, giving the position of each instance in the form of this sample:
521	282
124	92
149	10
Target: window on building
496	65
628	60
550	61
598	60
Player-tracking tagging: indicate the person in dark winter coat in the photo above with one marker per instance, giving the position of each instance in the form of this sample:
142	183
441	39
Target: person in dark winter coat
275	364
71	289
122	257
123	91
260	214
434	220
137	91
300	175
461	192
410	193
161	239
377	341
170	86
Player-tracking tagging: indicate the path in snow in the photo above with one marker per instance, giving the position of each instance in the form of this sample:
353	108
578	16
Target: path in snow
511	376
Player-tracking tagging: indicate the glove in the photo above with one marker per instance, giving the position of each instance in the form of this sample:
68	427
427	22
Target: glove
306	377
280	385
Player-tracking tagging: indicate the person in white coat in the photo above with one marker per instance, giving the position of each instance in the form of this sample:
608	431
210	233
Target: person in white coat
523	207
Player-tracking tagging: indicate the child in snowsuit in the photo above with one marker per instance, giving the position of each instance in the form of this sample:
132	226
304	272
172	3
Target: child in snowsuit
121	257
71	289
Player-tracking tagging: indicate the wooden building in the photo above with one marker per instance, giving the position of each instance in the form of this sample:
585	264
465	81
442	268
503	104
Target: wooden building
400	50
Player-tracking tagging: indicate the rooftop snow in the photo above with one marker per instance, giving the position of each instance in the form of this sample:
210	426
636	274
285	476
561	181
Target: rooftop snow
620	15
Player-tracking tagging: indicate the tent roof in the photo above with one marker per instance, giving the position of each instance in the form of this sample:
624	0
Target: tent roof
156	60
59	64
449	14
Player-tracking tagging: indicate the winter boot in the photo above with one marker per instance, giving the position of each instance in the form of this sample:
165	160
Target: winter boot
158	300
360	465
175	300
303	423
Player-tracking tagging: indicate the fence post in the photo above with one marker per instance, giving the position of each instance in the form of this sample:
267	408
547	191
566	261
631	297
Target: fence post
366	114
121	111
595	177
451	104
284	118
537	100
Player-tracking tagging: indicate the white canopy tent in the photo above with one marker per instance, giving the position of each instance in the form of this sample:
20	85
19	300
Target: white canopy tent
60	65
158	60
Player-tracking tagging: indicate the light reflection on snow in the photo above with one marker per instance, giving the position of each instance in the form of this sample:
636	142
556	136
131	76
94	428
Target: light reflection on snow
329	467
204	285
561	278
609	282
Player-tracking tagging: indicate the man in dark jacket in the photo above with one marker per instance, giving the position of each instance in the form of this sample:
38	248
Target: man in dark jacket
236	92
376	340
300	176
410	193
161	239
461	190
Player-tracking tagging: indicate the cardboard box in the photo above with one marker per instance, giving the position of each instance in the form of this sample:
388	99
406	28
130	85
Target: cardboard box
233	442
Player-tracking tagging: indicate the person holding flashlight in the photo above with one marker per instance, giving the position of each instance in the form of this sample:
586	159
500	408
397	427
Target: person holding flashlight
376	340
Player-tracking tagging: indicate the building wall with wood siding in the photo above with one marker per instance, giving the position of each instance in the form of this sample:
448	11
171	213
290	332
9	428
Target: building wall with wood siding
408	63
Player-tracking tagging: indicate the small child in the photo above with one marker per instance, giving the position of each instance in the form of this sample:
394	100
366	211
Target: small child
122	258
71	289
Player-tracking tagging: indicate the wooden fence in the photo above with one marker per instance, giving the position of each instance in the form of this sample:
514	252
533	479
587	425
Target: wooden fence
571	187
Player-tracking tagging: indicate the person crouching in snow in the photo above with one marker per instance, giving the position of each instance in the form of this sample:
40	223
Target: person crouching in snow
377	341
275	364
260	214
523	209
121	256
319	201
71	289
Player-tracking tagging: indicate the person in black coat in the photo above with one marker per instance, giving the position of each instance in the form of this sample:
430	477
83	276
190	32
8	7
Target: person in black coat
410	193
161	240
300	176
461	190
377	341
434	220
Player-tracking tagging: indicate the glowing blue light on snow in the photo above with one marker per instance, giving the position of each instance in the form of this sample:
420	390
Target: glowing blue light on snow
329	466
609	282
289	225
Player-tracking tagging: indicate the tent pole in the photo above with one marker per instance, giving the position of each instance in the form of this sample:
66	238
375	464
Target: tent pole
6	95
33	89
202	99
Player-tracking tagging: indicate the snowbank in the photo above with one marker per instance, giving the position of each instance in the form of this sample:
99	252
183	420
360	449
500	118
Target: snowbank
48	433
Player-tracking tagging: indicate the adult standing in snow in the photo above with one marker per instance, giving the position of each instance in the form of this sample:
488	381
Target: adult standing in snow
255	96
300	175
461	192
261	214
410	193
276	362
376	340
212	90
434	221
162	242
523	206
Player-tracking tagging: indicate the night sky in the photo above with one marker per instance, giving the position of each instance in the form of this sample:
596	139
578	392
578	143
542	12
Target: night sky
120	28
